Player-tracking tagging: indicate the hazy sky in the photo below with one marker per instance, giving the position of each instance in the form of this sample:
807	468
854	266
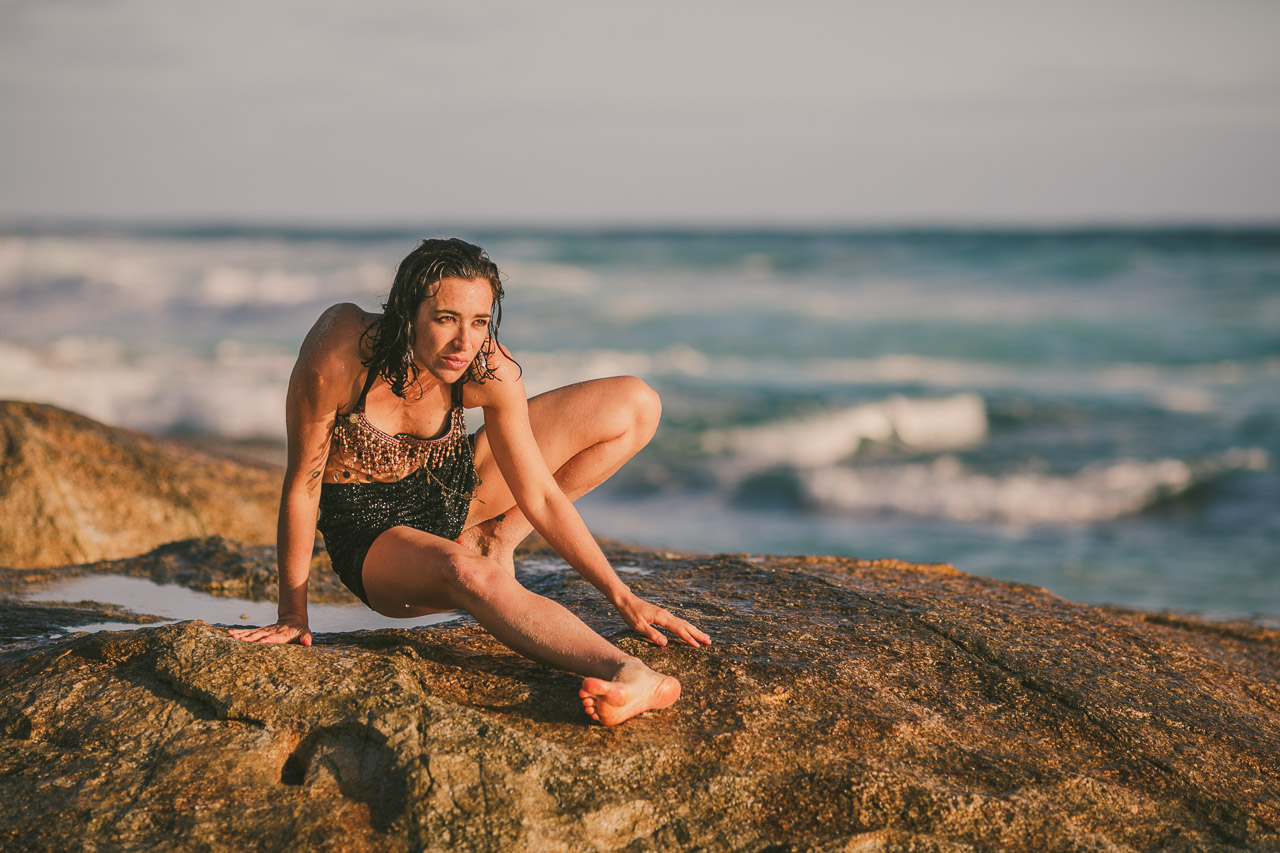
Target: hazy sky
558	111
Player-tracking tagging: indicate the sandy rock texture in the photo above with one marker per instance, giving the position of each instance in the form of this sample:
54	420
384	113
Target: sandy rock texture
75	491
845	706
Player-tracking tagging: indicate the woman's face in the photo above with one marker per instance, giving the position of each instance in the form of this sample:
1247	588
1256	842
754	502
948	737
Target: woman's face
452	326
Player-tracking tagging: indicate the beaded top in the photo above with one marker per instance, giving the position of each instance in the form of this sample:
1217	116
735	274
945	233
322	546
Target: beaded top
374	454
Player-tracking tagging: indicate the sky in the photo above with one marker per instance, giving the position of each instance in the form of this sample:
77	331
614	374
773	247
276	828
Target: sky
569	112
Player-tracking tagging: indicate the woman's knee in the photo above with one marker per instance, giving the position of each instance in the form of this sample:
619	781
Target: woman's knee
643	406
468	575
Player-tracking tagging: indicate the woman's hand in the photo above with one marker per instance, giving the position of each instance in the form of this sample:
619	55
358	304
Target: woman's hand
287	630
648	618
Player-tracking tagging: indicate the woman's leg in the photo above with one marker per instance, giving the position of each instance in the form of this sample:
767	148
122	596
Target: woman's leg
585	431
409	573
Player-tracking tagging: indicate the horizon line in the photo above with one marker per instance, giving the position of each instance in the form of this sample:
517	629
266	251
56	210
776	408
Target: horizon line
210	227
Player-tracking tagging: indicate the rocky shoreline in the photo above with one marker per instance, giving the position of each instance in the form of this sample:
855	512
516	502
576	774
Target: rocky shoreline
846	705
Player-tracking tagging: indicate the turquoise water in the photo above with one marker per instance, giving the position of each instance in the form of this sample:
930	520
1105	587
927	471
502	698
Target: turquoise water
1094	412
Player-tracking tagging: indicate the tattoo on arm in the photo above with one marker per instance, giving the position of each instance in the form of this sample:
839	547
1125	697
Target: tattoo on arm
315	474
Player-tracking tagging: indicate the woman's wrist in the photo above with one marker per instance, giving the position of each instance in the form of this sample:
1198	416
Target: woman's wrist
619	595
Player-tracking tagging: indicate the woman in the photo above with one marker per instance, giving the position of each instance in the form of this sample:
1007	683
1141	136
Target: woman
422	525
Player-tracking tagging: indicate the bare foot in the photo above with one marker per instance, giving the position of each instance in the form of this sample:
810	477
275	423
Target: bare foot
636	689
487	539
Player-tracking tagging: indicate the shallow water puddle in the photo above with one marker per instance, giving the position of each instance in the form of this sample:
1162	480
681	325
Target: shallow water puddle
550	565
177	603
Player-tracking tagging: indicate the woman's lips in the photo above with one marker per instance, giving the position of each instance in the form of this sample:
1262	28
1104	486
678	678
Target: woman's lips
456	362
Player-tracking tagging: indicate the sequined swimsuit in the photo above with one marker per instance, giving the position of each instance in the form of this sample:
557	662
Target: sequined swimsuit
436	480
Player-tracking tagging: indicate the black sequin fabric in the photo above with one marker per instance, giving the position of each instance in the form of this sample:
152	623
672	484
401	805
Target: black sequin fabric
432	499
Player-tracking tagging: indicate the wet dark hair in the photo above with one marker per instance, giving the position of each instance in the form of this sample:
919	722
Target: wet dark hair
390	337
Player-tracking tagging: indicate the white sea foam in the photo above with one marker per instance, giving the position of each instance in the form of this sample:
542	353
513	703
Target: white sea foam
240	394
95	375
1195	388
826	438
546	370
565	278
157	272
226	286
945	488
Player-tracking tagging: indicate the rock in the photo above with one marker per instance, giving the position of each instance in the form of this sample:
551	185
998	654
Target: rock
24	620
845	706
75	491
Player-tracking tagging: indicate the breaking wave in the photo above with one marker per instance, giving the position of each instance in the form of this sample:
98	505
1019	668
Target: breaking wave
945	488
238	394
1180	388
922	424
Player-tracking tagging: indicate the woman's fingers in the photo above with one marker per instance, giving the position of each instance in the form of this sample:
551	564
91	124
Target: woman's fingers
701	635
648	618
278	634
692	635
647	627
253	635
683	629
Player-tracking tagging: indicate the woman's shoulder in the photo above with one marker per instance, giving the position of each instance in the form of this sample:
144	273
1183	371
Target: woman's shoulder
341	327
333	352
343	320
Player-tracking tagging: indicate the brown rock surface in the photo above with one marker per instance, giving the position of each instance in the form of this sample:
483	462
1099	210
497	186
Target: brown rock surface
74	491
845	706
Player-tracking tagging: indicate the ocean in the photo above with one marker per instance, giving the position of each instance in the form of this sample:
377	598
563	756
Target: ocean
1095	411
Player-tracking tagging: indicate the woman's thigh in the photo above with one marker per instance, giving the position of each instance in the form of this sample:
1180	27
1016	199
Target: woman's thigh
409	573
565	422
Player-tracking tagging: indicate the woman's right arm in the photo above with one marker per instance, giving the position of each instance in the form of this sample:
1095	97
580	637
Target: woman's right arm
318	387
299	504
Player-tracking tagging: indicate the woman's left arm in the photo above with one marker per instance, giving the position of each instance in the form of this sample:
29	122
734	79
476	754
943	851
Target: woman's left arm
553	515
